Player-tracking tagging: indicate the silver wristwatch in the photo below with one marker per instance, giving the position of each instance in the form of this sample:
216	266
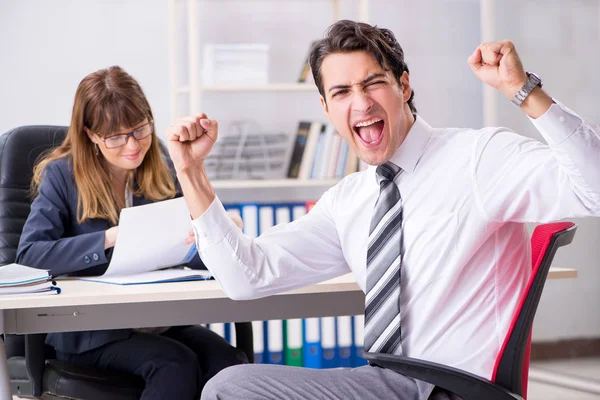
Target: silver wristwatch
532	81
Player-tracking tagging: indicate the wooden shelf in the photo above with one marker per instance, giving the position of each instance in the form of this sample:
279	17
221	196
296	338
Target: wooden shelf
272	183
270	87
271	190
193	92
562	273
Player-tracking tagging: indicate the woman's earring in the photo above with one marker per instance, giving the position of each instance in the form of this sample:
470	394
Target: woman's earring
96	147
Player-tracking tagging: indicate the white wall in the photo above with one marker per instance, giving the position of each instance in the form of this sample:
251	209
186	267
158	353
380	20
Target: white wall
436	58
47	47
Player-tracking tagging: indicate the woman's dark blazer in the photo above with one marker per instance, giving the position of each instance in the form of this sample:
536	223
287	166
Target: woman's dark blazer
53	239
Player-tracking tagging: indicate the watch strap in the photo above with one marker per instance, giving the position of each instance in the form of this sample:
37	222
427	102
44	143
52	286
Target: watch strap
532	81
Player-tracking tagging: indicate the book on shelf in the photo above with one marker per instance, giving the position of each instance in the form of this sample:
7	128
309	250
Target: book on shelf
320	152
298	150
336	146
315	151
321	163
310	150
17	279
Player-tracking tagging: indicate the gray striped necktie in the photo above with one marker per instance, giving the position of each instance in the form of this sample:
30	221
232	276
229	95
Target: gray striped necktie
384	259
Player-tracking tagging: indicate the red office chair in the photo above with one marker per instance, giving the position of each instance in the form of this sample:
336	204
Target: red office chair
509	379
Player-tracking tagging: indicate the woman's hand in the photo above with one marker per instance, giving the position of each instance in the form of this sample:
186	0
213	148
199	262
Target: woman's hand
236	218
191	238
110	237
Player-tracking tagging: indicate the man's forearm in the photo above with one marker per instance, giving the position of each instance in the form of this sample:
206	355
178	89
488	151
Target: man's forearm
197	190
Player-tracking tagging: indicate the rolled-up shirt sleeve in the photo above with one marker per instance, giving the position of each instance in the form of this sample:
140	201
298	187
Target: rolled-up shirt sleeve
285	257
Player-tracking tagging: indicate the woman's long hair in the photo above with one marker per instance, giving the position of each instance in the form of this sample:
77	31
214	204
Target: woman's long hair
107	101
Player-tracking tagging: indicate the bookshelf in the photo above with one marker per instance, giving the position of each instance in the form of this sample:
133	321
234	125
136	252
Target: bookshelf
183	34
271	190
271	87
195	88
272	183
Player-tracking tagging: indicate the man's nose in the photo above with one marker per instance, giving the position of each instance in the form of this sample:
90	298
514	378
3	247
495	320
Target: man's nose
362	102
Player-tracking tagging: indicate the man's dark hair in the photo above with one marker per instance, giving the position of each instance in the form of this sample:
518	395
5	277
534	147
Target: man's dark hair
348	36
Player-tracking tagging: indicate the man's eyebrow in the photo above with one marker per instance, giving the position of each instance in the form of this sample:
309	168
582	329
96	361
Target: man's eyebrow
372	78
363	82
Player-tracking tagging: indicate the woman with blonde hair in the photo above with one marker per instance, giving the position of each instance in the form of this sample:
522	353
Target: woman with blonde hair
109	160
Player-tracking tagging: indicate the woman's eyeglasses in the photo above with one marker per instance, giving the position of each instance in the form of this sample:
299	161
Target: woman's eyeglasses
120	140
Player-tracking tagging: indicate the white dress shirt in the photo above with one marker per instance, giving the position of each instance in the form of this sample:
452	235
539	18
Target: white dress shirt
467	195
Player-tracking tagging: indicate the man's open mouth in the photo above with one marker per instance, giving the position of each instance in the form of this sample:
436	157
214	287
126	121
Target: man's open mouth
370	131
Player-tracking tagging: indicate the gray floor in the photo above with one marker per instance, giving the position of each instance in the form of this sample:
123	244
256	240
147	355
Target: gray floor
588	368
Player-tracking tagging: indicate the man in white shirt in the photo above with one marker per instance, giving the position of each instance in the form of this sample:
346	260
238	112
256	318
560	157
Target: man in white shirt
452	233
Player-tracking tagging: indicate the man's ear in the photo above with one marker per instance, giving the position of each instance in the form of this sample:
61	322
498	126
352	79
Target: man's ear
324	105
405	86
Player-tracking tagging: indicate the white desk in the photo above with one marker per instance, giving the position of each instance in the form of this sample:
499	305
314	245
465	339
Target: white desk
86	306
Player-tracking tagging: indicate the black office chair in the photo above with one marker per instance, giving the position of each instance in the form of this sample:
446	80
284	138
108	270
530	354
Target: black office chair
32	367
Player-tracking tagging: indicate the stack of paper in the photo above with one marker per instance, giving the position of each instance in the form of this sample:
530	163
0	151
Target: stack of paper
19	279
158	276
150	242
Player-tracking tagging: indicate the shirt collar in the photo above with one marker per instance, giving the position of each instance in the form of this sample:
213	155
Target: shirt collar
412	148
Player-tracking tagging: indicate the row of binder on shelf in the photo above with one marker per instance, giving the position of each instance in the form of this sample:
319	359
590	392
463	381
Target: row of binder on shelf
312	342
319	152
328	342
258	218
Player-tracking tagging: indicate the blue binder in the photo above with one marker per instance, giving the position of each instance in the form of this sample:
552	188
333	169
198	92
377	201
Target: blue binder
311	329
258	342
344	340
266	218
358	333
250	218
283	214
274	346
227	333
329	342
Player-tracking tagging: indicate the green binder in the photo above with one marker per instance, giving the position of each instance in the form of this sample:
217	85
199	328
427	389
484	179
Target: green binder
292	331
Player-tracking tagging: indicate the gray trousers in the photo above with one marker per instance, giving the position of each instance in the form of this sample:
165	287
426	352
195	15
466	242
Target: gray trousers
278	382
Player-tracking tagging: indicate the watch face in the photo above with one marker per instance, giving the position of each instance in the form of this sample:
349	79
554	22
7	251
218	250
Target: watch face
533	77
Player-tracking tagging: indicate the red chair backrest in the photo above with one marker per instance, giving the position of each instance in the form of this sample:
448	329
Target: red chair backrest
512	364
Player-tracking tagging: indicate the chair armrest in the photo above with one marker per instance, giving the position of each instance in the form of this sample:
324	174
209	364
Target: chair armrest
464	384
26	362
244	339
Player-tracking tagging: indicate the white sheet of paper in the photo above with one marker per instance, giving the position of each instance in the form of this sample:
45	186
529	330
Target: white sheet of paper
151	237
165	275
17	274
